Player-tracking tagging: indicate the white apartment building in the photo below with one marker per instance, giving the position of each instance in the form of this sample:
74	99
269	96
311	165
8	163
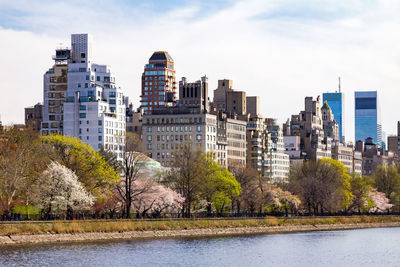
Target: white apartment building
93	106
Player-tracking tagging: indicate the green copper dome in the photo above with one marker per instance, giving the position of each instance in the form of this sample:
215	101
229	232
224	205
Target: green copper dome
326	106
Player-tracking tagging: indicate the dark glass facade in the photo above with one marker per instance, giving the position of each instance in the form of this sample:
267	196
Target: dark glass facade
367	117
336	102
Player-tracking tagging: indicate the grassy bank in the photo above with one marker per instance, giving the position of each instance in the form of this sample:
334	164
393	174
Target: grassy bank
59	227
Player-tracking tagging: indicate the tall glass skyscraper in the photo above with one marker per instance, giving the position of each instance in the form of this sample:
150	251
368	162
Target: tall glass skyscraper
335	102
367	116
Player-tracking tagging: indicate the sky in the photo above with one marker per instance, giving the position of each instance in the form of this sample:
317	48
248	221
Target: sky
281	50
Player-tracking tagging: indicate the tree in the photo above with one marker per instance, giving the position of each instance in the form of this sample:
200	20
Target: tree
346	196
58	188
322	186
250	197
361	187
133	163
156	200
387	179
380	201
185	176
219	186
98	177
22	158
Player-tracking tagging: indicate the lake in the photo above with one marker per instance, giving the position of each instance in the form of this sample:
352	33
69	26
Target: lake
363	247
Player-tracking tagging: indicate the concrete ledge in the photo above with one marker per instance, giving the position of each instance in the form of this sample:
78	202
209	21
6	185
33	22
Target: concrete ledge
51	238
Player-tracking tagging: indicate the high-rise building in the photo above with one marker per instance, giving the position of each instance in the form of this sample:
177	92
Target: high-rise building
54	92
233	102
309	125
158	82
194	96
266	149
253	105
336	103
367	116
81	98
331	128
94	110
394	141
34	116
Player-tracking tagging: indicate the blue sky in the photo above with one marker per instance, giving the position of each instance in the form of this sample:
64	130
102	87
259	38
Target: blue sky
282	50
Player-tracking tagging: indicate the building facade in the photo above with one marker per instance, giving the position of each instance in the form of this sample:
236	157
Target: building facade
348	156
134	120
94	110
278	162
394	141
314	145
34	117
367	116
163	133
54	93
336	103
158	82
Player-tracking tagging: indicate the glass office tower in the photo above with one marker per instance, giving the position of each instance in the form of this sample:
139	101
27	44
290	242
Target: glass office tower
367	116
336	103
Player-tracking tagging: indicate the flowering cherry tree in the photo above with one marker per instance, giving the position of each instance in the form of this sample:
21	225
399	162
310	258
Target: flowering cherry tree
381	202
58	189
156	200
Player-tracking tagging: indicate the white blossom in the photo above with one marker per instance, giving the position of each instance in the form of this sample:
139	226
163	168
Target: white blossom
59	188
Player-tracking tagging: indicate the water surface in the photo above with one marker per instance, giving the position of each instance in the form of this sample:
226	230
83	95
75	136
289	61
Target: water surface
364	247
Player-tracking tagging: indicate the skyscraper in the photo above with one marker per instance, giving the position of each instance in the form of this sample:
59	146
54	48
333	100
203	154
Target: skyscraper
367	116
158	82
335	102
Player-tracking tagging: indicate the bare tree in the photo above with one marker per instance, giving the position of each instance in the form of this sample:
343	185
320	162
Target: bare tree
186	175
133	163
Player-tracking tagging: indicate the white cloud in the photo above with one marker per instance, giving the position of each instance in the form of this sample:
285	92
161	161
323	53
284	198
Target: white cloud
280	50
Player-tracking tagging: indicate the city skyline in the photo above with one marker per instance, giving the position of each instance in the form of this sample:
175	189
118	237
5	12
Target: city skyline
294	48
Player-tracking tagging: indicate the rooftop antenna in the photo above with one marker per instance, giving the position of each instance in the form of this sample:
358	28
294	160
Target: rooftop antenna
339	85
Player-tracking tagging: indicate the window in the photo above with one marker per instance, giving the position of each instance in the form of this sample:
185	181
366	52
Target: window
86	85
82	115
98	78
149	138
100	138
199	128
100	123
82	107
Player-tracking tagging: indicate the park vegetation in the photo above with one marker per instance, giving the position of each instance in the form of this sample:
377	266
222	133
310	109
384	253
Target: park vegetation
60	177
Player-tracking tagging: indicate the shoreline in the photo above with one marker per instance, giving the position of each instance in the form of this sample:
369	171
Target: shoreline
20	239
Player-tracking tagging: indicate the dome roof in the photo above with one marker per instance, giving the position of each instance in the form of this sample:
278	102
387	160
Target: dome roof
326	106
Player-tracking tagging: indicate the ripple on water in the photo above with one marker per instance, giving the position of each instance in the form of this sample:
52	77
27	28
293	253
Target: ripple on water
363	247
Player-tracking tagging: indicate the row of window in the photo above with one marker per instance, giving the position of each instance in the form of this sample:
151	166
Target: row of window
155	83
172	137
176	120
160	78
172	128
161	92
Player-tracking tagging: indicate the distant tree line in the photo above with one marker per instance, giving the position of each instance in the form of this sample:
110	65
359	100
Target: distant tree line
61	177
